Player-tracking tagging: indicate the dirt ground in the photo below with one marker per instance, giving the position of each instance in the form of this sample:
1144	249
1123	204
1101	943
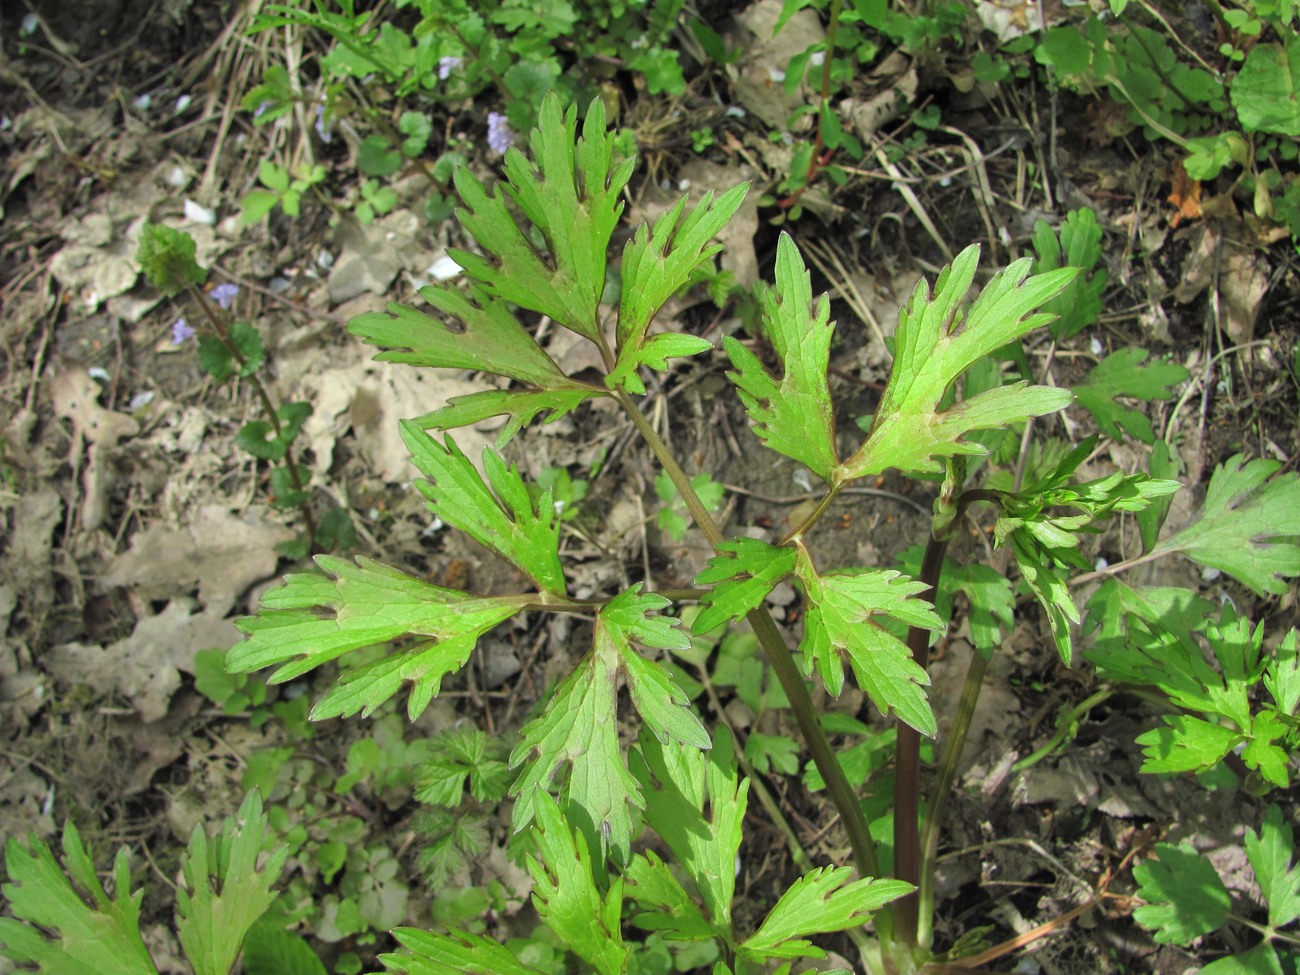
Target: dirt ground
133	530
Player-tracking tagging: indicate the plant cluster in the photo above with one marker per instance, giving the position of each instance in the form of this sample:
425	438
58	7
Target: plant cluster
233	350
959	394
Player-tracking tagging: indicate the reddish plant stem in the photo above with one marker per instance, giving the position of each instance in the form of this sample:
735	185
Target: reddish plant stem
907	767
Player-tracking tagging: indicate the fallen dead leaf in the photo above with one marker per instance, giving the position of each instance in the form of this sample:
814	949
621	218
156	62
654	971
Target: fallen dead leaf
145	667
96	431
219	552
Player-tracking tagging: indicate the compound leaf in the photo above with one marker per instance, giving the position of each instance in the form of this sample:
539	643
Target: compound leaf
1185	897
1248	526
793	416
741	576
225	892
313	619
659	262
1271	852
1123	374
819	902
571	197
843	620
65	929
566	896
937	340
505	518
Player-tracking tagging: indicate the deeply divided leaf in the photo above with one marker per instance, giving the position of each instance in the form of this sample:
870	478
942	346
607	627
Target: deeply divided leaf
578	731
819	902
1185	897
696	803
1122	374
1249	526
570	196
659	262
504	517
937	340
566	895
792	415
225	892
315	618
66	922
741	577
843	624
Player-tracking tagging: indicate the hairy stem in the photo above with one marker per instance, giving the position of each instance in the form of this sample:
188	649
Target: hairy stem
782	663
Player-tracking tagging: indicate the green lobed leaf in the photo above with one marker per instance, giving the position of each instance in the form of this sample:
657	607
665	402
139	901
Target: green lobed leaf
1079	246
659	262
578	731
793	416
505	518
1264	91
566	896
1185	897
1122	374
663	705
696	803
741	576
992	602
844	621
650	882
224	892
1186	744
522	406
654	352
479	332
571	197
1249	526
166	256
313	619
1271	852
819	902
936	341
456	951
65	923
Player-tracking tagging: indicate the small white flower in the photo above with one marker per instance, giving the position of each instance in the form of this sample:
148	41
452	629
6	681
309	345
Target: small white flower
30	23
183	103
775	75
1095	345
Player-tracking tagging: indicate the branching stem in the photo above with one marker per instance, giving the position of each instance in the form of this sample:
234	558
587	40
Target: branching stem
782	663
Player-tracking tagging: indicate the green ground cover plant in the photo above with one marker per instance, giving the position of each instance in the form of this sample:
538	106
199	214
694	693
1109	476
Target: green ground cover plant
957	414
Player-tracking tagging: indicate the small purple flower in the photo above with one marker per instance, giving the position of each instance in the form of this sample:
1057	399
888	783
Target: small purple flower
224	295
181	332
447	65
499	135
322	129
